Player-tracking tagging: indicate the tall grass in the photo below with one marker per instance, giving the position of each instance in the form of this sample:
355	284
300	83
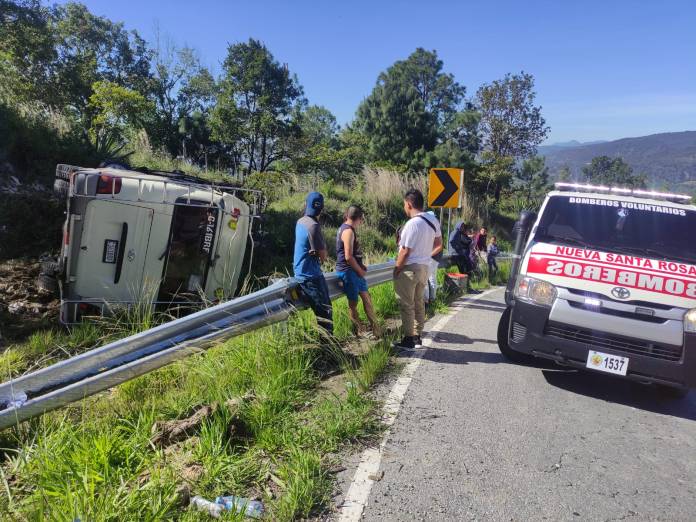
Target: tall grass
384	186
94	460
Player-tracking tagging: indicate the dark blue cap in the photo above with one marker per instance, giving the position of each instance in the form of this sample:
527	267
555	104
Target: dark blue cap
315	204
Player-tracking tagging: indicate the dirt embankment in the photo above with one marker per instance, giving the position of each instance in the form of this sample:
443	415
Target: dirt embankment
23	307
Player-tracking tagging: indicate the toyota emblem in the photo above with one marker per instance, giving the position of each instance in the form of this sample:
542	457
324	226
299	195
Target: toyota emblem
620	292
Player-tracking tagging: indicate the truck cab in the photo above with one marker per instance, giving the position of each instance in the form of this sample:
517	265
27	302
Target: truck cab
605	280
141	236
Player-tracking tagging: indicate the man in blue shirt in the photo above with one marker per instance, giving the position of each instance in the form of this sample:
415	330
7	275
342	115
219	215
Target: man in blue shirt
310	252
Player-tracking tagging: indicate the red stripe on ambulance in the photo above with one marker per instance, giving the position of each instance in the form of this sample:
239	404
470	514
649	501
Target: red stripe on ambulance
612	276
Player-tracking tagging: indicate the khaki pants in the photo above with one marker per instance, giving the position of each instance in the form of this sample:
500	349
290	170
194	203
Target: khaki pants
409	286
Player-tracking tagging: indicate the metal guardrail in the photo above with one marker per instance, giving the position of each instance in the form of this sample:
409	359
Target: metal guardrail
115	363
102	368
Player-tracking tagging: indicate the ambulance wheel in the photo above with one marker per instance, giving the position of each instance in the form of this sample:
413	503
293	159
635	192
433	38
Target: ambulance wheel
504	343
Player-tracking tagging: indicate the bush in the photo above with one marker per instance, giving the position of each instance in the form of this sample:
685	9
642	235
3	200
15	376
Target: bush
29	225
274	185
35	139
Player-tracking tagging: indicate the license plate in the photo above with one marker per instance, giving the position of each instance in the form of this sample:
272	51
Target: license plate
110	251
607	363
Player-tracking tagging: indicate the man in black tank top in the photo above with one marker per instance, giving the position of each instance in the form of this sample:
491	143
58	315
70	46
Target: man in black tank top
350	270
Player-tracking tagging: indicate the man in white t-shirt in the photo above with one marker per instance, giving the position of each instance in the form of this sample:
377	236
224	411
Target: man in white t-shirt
421	238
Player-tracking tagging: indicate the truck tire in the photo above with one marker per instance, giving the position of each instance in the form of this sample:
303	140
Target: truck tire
47	283
61	188
50	267
504	343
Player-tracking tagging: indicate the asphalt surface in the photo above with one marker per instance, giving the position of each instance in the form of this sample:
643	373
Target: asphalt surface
478	438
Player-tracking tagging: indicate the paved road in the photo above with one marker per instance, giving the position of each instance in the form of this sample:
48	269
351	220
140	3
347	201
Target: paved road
480	439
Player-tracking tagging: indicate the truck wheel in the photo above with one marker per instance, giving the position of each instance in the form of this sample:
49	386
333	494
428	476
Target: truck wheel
50	267
61	188
47	283
504	343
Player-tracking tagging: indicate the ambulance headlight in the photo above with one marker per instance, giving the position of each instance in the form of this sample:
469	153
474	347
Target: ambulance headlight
690	320
535	291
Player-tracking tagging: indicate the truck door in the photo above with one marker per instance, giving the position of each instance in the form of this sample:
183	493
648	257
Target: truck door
112	250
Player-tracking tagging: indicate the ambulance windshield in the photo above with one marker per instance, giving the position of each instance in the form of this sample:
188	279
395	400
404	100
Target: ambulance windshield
642	229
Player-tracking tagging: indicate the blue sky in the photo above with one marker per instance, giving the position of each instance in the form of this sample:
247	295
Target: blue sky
604	69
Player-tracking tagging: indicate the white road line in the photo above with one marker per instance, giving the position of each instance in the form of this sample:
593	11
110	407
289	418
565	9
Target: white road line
351	509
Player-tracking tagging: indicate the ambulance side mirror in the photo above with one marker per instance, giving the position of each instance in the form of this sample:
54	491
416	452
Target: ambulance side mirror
520	232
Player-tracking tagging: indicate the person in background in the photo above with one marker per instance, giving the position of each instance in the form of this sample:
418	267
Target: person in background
473	253
492	263
420	240
460	243
351	270
431	288
480	243
310	252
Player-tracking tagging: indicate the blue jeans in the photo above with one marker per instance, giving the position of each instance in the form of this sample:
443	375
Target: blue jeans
315	294
492	266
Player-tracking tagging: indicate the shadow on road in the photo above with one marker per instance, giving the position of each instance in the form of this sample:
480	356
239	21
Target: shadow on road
455	338
485	304
628	393
447	356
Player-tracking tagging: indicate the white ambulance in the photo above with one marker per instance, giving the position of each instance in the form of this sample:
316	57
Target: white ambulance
605	280
138	235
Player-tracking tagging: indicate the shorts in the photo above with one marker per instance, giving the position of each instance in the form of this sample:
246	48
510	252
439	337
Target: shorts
353	284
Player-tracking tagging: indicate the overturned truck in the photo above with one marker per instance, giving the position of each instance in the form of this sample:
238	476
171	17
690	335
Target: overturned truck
133	236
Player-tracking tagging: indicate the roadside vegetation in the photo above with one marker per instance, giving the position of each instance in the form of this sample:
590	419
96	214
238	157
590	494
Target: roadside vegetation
273	428
267	415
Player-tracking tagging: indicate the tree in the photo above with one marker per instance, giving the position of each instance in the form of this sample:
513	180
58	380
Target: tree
27	51
114	110
255	106
511	125
92	48
564	174
181	88
604	170
409	110
55	55
532	178
510	122
315	147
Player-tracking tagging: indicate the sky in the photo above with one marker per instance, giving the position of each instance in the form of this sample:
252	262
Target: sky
604	69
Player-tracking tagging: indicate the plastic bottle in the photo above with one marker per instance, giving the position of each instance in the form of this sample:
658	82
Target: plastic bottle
251	508
212	508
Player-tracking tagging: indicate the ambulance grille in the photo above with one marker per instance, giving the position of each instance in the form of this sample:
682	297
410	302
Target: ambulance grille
619	313
615	342
519	332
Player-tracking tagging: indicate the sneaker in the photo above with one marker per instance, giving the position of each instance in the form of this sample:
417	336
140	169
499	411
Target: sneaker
417	341
407	343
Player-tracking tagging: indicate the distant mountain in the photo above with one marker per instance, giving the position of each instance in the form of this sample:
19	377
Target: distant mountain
668	159
545	149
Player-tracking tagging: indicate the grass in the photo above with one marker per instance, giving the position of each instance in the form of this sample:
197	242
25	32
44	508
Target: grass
95	459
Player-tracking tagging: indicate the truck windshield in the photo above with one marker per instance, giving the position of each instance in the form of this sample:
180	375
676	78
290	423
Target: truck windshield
647	229
190	246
